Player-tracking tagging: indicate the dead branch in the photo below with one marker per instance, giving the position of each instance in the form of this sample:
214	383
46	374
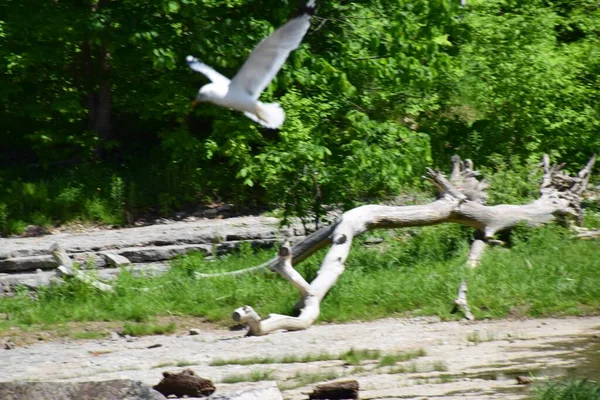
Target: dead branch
66	268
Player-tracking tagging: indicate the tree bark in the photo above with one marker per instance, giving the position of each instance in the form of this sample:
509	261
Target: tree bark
97	83
461	200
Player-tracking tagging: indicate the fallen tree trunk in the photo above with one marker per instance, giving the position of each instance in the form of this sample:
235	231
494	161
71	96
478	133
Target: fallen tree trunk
461	200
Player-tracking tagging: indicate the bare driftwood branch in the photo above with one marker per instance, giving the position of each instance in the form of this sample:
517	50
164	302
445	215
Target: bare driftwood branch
461	301
461	200
65	267
477	249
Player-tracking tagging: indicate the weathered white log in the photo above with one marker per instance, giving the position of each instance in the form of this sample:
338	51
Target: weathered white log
285	268
559	198
65	267
589	235
477	249
461	301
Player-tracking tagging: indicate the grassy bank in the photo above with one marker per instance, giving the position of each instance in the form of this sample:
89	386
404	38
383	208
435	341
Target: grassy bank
412	272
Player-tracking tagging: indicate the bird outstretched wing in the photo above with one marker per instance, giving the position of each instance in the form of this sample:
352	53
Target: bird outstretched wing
207	71
270	54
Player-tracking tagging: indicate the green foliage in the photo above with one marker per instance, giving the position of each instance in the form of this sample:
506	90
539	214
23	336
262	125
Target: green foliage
377	91
117	197
570	390
528	82
3	217
512	181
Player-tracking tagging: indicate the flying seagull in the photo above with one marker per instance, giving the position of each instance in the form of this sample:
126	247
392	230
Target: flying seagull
243	91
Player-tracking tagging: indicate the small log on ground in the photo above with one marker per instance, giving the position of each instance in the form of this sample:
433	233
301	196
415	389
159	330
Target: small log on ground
65	267
185	383
342	390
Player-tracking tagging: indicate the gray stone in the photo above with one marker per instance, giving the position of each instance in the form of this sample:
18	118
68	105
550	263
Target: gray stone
149	254
18	264
262	391
101	390
43	278
142	244
194	331
116	260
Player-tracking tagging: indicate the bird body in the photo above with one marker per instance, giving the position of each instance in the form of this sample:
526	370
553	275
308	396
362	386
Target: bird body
242	92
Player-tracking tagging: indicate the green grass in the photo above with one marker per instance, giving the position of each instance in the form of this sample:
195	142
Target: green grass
163	365
184	363
416	272
571	390
288	359
356	356
89	335
147	329
391	359
306	378
253	376
352	357
439	366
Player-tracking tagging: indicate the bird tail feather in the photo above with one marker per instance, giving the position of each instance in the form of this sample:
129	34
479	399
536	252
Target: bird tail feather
269	115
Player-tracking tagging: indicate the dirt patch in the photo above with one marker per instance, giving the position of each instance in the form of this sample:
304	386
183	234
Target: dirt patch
29	335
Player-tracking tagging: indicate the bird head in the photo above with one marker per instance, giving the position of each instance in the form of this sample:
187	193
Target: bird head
209	92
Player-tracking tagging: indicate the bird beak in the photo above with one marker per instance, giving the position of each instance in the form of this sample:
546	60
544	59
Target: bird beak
198	100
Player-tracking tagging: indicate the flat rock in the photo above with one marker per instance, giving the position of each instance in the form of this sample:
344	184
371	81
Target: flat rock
116	260
119	389
262	391
8	282
18	264
161	253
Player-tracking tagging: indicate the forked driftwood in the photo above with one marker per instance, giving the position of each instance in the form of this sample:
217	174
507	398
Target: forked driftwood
461	199
65	267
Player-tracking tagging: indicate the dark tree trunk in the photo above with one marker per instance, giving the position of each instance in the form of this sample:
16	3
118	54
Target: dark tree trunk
102	122
97	83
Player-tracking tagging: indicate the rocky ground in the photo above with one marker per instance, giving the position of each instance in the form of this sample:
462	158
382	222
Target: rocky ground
27	260
462	359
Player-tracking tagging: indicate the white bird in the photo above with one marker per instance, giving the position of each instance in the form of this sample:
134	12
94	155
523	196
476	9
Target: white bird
243	91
